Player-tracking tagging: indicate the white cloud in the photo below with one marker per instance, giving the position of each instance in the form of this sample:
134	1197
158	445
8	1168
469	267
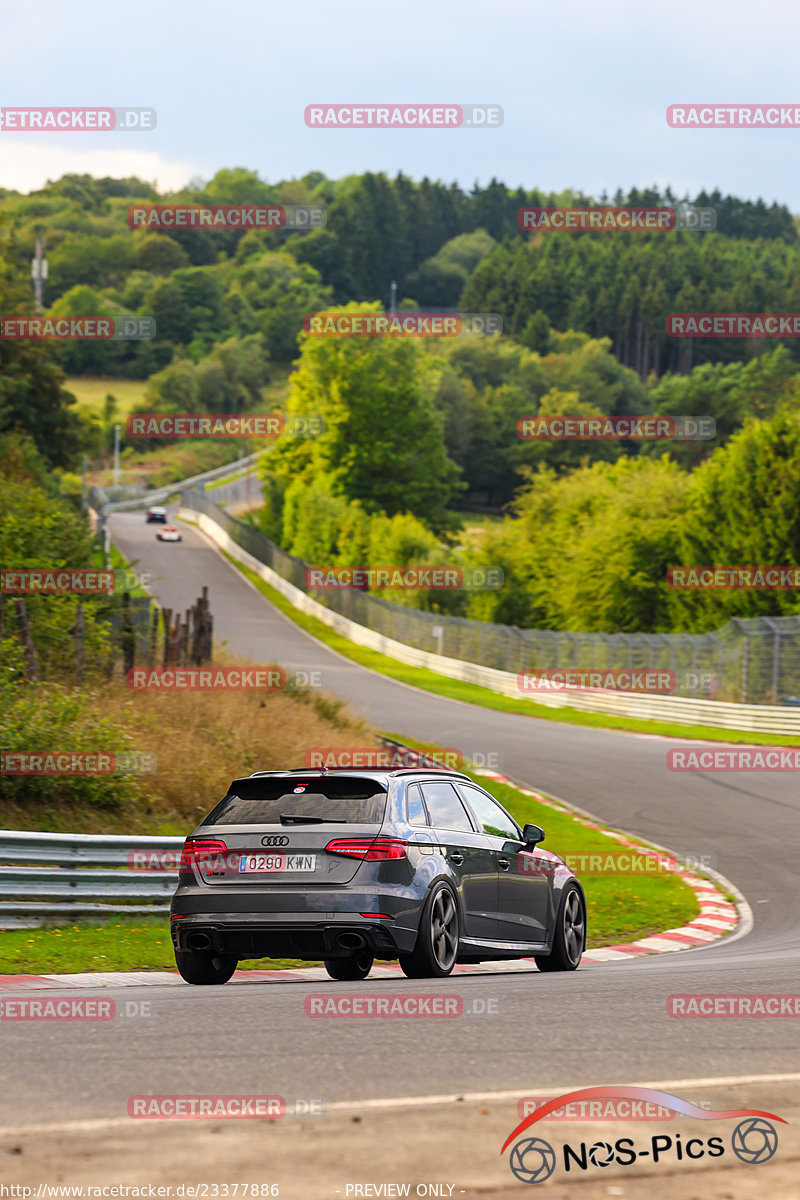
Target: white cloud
26	166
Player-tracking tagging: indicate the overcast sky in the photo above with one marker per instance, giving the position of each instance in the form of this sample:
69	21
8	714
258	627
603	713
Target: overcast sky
584	85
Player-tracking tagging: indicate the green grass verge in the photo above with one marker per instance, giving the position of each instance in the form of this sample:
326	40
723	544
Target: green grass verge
218	483
470	693
121	945
118	563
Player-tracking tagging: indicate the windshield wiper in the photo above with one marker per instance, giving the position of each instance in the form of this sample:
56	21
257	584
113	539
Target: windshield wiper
294	819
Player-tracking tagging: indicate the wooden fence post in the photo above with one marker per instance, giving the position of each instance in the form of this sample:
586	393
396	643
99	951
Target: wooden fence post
166	615
27	641
128	639
153	647
79	645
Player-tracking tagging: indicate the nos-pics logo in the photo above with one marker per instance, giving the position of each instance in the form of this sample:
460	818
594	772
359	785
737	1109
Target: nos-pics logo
754	1139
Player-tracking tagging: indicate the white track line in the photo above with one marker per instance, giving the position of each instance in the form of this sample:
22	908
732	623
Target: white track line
406	1102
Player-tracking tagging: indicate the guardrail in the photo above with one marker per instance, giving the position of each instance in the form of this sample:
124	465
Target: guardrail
100	501
679	710
76	869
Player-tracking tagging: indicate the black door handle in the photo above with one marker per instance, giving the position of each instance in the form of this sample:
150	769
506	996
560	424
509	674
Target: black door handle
504	863
457	857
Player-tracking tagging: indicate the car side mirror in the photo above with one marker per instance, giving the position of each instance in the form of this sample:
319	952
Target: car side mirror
532	834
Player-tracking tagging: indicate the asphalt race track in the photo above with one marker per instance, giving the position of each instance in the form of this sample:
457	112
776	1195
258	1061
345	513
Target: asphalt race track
606	1023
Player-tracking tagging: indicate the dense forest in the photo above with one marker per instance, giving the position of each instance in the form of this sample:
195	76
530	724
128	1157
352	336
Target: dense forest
417	429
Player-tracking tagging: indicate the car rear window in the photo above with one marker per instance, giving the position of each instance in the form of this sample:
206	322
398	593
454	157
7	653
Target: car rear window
262	801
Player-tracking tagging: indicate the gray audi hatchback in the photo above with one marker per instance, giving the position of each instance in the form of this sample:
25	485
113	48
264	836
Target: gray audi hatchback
420	865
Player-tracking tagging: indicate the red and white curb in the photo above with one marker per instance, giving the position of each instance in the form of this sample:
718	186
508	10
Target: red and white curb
717	917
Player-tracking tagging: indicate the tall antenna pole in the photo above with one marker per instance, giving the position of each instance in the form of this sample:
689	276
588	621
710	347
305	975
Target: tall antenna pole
116	455
39	273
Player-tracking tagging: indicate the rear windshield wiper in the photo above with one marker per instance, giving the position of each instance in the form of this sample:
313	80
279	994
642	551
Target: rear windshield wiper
291	819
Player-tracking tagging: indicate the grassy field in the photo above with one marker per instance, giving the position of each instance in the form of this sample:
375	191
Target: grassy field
91	390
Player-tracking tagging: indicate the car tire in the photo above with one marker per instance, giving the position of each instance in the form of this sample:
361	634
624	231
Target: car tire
569	938
204	966
436	949
355	966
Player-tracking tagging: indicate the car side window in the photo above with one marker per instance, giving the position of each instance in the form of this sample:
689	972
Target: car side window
446	807
490	815
416	809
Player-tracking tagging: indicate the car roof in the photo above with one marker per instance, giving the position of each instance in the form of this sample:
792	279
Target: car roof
366	773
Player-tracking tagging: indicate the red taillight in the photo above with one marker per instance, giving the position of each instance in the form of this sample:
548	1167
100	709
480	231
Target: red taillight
369	849
195	851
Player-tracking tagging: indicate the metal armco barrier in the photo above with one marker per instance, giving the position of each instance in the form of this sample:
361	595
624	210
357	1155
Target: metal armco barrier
77	869
679	710
749	660
100	500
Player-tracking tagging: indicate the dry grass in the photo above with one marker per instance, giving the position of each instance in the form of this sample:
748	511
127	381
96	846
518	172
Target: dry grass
201	741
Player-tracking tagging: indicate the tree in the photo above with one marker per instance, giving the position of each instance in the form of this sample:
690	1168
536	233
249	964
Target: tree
744	510
159	254
32	396
590	551
276	293
384	443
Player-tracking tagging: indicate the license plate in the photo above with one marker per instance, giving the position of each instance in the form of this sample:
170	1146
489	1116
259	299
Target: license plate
277	862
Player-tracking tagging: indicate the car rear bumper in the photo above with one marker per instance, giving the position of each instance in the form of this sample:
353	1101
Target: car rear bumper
291	935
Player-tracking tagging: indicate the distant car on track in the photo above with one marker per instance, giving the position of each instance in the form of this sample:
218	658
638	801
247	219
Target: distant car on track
157	514
170	533
420	865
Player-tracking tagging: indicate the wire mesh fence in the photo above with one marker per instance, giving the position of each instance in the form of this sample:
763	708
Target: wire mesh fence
748	661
